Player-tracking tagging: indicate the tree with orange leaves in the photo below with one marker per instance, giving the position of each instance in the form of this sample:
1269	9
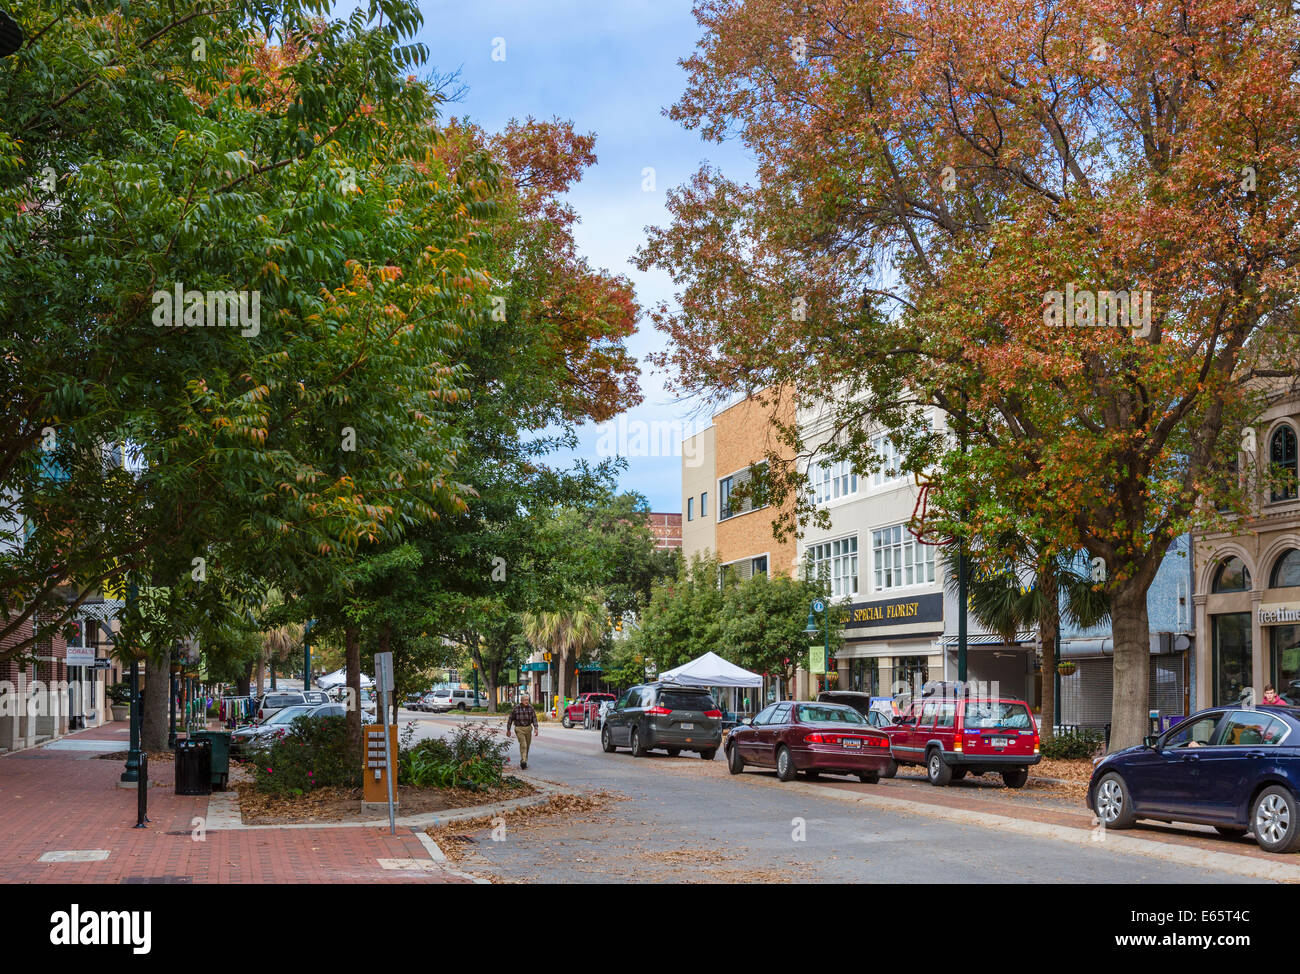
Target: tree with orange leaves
1071	227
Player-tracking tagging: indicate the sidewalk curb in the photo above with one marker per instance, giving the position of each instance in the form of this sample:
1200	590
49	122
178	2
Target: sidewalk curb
1244	866
224	813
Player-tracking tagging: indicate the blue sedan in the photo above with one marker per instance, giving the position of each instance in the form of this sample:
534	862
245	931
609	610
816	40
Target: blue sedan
1235	769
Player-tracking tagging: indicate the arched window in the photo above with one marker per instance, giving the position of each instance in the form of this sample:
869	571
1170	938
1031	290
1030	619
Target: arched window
1282	460
1286	572
1233	576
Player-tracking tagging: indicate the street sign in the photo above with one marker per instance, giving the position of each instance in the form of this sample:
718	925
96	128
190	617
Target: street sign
81	656
819	606
103	664
384	672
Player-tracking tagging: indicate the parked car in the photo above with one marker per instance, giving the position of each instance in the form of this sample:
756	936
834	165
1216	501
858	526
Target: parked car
877	710
810	737
582	711
1235	769
277	700
447	698
664	716
952	736
245	738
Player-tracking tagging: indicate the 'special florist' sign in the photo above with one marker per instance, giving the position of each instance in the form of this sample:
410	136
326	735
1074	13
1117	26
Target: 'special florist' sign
904	611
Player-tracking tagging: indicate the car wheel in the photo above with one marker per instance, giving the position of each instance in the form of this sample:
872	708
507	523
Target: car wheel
565	722
460	706
735	763
1113	805
869	777
1230	831
674	751
607	741
785	769
891	769
1015	778
637	750
936	769
709	753
1275	820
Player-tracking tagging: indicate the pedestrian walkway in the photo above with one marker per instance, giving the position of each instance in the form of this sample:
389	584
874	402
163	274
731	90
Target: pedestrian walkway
64	820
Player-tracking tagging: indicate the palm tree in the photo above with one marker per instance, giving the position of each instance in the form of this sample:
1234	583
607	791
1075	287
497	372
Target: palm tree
575	630
1017	586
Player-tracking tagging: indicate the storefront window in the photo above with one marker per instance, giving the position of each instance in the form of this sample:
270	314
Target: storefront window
1232	663
1282	454
864	676
913	672
1286	661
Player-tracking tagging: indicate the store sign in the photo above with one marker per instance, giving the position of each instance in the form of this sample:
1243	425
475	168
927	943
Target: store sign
1279	614
896	612
81	656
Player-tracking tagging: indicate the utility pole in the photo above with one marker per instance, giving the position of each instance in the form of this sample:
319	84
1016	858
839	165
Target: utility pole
962	597
306	654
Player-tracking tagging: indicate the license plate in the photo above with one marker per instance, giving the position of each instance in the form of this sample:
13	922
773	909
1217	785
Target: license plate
850	742
688	727
998	741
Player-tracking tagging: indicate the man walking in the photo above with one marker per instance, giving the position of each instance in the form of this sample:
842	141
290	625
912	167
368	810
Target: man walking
524	720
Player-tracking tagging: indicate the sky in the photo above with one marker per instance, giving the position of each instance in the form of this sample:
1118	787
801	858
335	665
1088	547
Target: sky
611	67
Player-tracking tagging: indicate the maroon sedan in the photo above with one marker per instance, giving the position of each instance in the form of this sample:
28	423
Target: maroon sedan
809	737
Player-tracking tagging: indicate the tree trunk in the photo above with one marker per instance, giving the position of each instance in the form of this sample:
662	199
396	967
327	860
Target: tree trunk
1048	623
244	680
1132	637
352	665
261	667
153	726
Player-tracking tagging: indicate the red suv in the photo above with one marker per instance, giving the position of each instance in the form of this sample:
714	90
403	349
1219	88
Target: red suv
957	735
583	710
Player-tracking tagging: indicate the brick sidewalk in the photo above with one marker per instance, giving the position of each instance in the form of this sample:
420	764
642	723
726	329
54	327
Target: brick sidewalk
68	801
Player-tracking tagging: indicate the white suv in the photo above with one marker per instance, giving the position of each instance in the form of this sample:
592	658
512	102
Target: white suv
443	699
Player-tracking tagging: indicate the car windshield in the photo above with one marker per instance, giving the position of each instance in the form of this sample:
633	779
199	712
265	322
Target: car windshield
996	713
681	700
828	714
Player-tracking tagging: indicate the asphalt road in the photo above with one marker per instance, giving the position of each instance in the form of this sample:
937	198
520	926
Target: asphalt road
683	819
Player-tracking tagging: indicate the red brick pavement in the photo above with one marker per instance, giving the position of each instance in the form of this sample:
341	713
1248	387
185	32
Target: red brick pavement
66	800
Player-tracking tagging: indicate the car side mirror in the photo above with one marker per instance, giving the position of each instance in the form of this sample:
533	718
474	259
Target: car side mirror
1150	740
746	721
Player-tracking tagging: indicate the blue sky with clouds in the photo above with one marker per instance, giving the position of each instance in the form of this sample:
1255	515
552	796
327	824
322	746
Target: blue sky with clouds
611	67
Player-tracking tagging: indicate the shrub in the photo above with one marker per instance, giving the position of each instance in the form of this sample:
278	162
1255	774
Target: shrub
473	758
314	754
1071	744
119	693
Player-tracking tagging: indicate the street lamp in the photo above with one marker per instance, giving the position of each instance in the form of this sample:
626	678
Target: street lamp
820	606
306	654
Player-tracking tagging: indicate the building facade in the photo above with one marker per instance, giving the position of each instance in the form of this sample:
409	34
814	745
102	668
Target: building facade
1247	579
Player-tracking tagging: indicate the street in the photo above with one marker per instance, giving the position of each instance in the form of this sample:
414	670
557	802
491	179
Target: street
686	820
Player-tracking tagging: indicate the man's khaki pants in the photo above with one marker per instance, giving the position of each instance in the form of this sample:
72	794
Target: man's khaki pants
525	735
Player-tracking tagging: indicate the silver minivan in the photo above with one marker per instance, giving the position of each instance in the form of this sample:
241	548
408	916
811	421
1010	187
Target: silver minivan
444	699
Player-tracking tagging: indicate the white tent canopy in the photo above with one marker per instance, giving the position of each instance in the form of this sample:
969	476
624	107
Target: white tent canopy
711	670
331	680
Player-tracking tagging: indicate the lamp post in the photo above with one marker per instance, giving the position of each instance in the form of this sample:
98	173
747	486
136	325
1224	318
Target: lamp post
306	654
172	666
819	606
131	773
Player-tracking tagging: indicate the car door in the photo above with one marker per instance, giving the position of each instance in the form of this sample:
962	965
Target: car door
627	716
747	734
1165	779
1246	745
765	746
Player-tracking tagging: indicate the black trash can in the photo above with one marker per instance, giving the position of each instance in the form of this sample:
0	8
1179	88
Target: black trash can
194	767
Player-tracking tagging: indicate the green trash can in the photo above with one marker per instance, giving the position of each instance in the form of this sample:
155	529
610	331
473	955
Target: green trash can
220	741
